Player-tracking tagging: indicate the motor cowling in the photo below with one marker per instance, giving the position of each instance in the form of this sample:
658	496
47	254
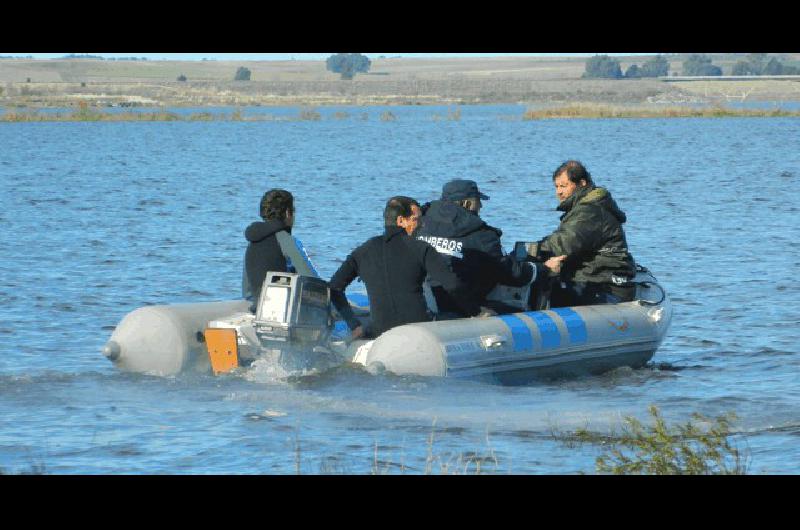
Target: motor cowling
293	308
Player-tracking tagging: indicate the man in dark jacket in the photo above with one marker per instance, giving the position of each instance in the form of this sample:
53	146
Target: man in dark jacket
263	251
472	248
598	267
393	267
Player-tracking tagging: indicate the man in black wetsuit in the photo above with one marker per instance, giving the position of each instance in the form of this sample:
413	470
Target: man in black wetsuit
393	267
263	251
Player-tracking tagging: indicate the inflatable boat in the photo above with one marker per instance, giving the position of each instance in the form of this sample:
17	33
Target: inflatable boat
293	324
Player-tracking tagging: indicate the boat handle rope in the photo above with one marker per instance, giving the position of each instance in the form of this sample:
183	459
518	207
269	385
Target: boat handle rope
648	285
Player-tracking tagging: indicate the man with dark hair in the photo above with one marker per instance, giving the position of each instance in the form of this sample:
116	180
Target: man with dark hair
393	267
598	267
263	250
453	227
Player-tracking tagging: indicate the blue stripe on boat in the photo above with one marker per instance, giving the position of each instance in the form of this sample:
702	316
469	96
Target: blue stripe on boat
551	338
575	324
519	331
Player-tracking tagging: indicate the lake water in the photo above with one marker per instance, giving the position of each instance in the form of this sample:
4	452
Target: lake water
98	219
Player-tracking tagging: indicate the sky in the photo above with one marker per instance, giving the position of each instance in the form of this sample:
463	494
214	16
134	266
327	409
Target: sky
290	56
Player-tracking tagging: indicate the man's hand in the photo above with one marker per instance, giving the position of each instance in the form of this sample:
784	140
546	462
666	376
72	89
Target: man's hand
554	263
486	312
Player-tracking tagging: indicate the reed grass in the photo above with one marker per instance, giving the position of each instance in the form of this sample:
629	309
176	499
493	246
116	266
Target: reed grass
309	115
84	114
587	111
700	446
478	462
92	115
583	110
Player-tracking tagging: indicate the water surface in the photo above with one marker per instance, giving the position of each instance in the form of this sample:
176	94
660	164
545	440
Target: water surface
97	219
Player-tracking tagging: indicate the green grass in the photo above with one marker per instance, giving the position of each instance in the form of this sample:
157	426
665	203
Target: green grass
700	446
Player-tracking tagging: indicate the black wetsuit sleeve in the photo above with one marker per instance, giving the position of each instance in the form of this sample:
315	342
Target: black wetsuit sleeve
347	272
513	272
438	271
501	267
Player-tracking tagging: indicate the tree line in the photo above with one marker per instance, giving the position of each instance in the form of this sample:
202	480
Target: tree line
100	57
757	64
606	67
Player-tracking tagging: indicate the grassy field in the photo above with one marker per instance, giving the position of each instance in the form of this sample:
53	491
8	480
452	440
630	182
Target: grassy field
755	89
400	81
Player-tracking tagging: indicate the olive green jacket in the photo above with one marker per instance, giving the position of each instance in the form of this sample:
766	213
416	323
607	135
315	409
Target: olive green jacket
591	236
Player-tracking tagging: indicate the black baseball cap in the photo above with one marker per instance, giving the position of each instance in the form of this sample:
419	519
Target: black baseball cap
458	190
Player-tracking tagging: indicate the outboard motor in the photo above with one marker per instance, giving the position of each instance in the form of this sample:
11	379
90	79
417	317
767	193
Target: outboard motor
291	326
294	309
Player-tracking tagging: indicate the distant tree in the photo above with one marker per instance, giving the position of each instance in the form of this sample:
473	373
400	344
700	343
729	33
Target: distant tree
773	67
700	65
791	70
83	56
242	74
742	68
658	66
757	64
602	66
758	60
348	64
181	77
633	72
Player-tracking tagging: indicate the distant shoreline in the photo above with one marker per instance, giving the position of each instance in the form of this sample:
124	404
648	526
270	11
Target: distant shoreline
575	111
67	83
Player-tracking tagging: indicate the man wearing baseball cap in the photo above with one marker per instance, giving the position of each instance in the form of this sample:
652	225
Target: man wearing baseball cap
452	225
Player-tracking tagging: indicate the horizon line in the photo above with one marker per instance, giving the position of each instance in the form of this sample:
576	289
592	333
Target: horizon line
290	56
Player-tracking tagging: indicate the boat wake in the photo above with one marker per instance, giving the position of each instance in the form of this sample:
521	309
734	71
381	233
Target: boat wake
289	366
